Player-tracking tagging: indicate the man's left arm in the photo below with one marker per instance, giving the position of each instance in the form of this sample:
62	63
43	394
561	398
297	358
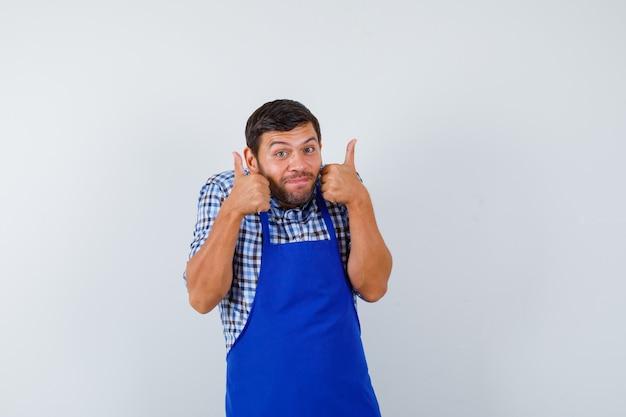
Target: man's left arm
370	261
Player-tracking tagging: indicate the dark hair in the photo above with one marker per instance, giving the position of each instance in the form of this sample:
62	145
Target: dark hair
278	115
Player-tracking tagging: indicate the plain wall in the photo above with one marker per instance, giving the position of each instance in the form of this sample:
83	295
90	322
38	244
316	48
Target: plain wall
491	135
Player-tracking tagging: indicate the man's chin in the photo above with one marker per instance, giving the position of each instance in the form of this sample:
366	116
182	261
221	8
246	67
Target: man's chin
295	199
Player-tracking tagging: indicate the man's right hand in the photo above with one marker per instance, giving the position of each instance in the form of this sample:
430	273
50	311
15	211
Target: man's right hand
250	193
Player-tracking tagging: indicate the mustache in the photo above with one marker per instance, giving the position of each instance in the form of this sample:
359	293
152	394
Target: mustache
299	175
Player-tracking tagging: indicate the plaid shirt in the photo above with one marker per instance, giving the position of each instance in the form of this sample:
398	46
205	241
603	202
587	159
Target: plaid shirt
294	225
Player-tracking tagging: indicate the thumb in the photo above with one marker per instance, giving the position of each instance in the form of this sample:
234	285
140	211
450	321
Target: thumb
238	164
350	153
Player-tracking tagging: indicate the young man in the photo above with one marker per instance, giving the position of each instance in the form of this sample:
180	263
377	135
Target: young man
283	247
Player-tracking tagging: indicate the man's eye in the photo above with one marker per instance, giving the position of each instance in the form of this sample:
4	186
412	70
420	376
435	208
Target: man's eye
281	154
310	149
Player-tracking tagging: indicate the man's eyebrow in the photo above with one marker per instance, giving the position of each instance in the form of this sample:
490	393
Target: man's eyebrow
283	143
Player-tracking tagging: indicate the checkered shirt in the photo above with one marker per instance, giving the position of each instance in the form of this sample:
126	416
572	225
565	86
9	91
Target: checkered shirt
294	225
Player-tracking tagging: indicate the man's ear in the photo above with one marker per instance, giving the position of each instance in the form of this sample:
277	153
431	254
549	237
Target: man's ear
251	161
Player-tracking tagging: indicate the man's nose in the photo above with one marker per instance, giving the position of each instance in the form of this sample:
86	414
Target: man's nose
296	161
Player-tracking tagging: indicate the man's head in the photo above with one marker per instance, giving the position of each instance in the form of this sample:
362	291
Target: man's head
280	116
284	145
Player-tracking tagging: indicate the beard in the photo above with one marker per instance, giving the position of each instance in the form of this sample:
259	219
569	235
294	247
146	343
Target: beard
291	199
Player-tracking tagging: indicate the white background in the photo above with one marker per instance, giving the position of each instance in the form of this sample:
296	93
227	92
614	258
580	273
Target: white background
491	137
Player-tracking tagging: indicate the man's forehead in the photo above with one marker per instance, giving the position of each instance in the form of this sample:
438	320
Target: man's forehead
301	134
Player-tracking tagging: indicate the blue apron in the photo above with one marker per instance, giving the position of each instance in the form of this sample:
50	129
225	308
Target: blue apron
300	353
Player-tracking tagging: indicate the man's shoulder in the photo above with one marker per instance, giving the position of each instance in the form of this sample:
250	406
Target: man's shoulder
222	180
224	177
217	185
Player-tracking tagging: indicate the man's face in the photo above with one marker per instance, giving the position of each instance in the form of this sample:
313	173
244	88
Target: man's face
290	161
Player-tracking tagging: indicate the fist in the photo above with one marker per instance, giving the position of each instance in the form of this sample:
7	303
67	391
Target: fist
340	183
251	193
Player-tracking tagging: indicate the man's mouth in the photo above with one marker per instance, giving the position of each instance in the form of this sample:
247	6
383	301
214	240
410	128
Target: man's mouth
300	179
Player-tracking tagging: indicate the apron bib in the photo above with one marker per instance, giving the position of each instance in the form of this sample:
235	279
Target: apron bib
300	353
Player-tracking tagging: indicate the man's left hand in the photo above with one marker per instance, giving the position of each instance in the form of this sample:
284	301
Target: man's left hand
340	182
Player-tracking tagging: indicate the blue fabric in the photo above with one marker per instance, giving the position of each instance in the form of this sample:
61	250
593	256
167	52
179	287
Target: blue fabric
300	353
286	226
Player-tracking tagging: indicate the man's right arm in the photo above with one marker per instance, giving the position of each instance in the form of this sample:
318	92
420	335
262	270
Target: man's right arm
209	272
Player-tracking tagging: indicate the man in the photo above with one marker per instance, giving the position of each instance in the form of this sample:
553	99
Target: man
283	247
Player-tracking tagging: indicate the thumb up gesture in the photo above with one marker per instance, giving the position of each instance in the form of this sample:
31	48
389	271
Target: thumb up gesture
250	193
340	183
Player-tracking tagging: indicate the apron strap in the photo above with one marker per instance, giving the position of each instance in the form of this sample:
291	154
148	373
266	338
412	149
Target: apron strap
321	203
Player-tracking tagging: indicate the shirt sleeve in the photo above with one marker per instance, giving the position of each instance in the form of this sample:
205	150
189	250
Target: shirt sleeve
212	196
